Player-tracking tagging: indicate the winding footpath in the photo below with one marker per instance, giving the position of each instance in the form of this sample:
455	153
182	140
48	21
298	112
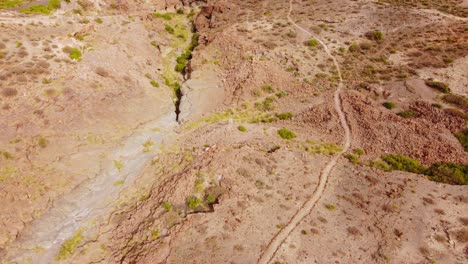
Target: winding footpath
283	234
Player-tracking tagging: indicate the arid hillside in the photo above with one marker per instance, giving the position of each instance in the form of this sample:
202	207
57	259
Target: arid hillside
244	131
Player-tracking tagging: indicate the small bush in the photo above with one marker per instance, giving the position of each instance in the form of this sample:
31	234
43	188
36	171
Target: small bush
440	86
154	83
407	114
165	16
389	105
167	206
119	182
284	116
42	142
286	134
194	202
312	43
403	163
450	173
99	20
51	6
462	136
330	207
242	128
352	158
457	100
376	35
359	151
74	53
169	29
353	48
69	246
268	88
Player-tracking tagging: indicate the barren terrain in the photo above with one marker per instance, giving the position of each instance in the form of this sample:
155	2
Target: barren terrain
199	131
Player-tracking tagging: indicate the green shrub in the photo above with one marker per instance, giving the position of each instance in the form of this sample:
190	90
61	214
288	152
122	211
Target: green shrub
165	16
312	43
352	158
330	207
324	149
10	3
69	246
284	116
450	173
119	182
99	20
353	47
389	105
167	206
403	163
194	202
381	165
407	114
242	128
440	86
180	11
210	199
51	6
359	151
462	136
169	29
154	83
378	35
286	134
42	142
266	105
457	100
268	88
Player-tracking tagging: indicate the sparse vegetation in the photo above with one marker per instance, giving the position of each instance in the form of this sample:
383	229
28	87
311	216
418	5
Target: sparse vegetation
440	86
42	142
242	128
407	114
462	136
330	207
167	206
323	148
286	134
69	246
73	53
457	100
118	165
154	83
312	43
352	158
51	6
4	4
194	202
389	105
165	16
169	29
284	116
450	173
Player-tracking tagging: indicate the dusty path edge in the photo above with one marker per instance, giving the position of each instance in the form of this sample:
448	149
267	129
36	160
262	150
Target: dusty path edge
273	246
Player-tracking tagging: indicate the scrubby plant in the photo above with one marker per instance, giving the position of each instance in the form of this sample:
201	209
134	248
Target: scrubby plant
69	246
440	86
462	136
194	202
403	163
268	88
407	114
99	20
450	173
330	207
284	116
154	83
286	134
119	182
118	165
457	100
266	105
242	128
42	142
389	105
352	158
169	29
167	206
359	151
51	6
312	43
165	16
